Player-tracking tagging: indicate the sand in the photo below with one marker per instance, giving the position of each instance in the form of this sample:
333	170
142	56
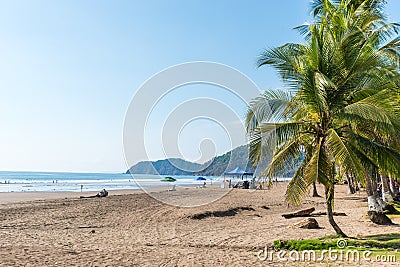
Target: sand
15	197
134	229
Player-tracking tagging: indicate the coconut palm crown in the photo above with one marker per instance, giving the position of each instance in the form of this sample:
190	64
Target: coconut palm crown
341	107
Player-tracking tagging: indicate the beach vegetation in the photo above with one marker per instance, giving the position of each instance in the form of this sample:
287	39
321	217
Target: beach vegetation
383	242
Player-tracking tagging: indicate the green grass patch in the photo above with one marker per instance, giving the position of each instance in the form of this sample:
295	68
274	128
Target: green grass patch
396	204
396	213
393	216
299	245
384	242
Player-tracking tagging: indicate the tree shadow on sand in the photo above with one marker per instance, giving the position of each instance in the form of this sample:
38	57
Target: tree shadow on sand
219	213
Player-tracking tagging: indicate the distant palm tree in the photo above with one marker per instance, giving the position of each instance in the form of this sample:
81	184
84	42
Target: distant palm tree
342	105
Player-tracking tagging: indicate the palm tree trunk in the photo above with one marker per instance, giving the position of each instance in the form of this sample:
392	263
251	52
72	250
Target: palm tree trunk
393	189
386	196
315	192
352	190
329	196
373	204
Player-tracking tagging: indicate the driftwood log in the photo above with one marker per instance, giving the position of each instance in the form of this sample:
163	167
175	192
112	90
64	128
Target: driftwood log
300	213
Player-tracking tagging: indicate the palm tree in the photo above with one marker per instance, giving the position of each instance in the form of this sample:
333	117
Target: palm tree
367	17
341	90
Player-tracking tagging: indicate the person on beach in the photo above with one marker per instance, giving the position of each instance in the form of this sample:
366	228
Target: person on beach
102	193
379	190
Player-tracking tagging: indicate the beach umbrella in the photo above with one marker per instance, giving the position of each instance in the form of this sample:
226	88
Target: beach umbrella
168	179
201	179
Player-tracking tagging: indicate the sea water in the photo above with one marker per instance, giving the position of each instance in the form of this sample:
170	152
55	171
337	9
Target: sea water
77	182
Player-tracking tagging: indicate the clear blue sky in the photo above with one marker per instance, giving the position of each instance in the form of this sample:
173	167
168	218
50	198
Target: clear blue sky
68	69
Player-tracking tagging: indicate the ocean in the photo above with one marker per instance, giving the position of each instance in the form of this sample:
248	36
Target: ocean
77	182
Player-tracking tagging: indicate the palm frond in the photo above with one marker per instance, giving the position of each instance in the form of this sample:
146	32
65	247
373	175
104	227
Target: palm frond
297	187
343	155
292	150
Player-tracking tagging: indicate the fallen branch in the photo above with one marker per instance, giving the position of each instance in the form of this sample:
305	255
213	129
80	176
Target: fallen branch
324	213
88	226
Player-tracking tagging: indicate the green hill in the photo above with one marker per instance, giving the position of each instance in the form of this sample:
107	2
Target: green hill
227	162
172	166
217	166
214	167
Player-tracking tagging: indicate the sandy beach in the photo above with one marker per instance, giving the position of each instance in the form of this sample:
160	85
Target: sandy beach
134	229
17	197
